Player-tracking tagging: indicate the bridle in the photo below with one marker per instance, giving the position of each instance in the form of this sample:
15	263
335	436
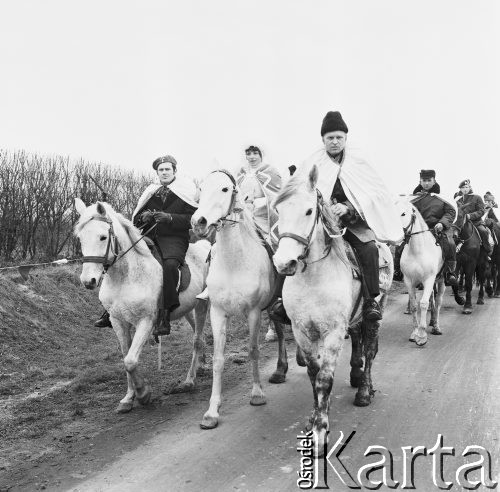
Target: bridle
112	246
306	240
409	228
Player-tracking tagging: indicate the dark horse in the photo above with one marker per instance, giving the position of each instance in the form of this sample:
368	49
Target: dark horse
472	258
493	279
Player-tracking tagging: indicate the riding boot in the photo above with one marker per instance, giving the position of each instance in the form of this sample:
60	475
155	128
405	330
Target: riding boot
277	309
398	274
103	321
371	310
449	277
162	326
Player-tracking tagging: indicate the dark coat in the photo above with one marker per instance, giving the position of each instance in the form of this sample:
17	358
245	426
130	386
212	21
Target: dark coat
472	205
352	220
172	236
434	210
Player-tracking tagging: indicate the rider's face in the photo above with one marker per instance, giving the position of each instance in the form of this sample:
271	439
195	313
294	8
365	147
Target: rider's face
427	183
334	142
166	173
465	189
253	158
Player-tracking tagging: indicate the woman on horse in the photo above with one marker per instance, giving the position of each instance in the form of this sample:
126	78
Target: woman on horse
360	198
170	205
472	206
439	216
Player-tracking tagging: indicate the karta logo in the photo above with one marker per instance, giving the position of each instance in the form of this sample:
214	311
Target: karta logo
313	472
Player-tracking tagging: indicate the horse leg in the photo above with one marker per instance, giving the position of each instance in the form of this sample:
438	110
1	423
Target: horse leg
469	276
438	302
197	324
131	361
356	355
421	335
254	317
480	275
365	391
412	294
279	374
123	334
219	321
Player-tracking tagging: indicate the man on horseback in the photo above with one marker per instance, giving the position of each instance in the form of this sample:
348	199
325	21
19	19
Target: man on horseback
439	216
472	207
170	206
360	198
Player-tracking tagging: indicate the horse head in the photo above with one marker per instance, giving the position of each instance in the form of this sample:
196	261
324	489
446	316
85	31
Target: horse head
218	200
406	210
298	214
98	241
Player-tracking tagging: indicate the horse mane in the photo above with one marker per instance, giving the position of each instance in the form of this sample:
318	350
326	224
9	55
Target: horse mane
131	231
295	181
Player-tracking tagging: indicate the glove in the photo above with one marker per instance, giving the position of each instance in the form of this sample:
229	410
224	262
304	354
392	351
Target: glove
438	227
340	209
147	217
162	217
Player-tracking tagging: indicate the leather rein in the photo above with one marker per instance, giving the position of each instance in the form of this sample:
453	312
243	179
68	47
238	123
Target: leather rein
306	241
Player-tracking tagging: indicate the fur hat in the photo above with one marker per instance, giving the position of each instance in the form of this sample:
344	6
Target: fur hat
427	173
489	196
465	182
333	122
162	160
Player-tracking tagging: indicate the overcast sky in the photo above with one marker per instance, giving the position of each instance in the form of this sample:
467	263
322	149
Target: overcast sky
122	82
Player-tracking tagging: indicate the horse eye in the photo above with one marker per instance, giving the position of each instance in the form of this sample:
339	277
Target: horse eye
309	212
403	214
103	238
225	190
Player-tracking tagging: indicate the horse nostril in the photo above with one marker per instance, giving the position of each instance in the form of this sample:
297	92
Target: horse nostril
292	264
202	221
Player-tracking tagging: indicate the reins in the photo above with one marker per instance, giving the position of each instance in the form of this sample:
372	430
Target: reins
225	220
408	229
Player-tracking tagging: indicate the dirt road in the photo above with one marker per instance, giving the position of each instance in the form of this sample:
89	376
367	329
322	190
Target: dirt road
449	387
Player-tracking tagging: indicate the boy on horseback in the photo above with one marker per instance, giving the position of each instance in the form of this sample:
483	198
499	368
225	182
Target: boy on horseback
472	206
359	197
439	216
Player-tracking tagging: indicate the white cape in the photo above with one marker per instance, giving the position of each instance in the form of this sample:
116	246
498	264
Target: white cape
364	189
183	186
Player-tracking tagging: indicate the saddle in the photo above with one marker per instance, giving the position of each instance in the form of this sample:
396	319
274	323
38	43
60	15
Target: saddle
184	271
384	262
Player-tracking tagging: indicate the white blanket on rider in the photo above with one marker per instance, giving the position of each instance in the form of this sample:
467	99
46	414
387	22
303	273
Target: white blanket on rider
364	189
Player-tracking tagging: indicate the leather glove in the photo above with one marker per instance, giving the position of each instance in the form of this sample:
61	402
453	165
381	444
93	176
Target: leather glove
162	217
147	217
438	227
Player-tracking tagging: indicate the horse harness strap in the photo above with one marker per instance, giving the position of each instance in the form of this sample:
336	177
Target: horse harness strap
223	220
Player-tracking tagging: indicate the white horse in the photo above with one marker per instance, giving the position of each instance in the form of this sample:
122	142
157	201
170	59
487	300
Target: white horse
240	280
322	298
131	289
421	261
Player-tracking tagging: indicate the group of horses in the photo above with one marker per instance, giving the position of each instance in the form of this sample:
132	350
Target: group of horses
321	293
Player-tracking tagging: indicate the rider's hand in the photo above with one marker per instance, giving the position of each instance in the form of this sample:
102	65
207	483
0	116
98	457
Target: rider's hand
162	217
340	209
438	227
147	217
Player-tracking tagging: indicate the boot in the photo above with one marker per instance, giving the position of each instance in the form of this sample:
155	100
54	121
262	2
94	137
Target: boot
398	274
449	276
371	310
162	326
277	312
103	321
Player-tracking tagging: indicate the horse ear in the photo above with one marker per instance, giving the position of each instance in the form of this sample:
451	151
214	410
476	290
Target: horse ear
313	177
100	209
80	206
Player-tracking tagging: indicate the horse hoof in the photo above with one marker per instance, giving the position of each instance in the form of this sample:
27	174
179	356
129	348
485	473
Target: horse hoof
480	301
467	311
209	422
277	378
411	339
420	341
406	311
362	400
436	331
146	397
460	301
124	407
182	388
258	400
